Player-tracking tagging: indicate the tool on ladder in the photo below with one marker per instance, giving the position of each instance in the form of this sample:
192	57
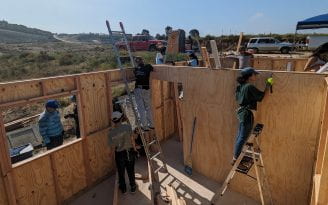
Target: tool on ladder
151	157
251	154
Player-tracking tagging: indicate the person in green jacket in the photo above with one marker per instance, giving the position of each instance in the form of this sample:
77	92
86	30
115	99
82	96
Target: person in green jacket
247	96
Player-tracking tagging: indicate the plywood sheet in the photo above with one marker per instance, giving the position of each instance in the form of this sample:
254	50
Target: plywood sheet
70	170
156	93
19	91
3	195
292	118
93	93
173	42
158	119
57	85
170	115
34	183
116	75
101	156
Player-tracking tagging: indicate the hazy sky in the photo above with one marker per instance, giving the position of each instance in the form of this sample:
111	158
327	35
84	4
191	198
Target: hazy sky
208	16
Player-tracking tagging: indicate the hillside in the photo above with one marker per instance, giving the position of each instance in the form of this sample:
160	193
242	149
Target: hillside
14	33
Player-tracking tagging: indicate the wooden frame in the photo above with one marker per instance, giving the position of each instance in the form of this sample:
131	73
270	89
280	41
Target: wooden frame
291	115
55	176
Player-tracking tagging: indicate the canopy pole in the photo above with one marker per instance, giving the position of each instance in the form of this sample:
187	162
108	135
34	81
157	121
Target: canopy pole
295	38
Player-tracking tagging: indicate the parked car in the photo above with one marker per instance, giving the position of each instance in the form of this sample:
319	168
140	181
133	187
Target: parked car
142	43
265	44
314	41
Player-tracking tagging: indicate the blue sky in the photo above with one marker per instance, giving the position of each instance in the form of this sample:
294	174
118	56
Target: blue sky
208	16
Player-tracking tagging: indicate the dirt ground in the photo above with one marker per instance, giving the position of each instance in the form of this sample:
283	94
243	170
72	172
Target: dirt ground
195	189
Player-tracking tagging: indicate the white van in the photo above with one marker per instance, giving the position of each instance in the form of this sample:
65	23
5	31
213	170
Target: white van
313	41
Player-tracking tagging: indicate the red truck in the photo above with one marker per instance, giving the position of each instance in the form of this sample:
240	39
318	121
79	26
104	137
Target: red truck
142	43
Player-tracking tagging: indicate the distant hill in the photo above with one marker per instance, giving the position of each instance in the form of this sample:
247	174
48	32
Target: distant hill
14	33
96	38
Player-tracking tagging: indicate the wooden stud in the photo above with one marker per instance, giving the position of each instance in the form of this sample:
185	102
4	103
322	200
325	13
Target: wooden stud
215	54
82	121
178	111
163	109
56	180
238	48
206	58
109	96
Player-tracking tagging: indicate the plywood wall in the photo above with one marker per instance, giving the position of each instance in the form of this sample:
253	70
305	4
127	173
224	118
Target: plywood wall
292	117
56	176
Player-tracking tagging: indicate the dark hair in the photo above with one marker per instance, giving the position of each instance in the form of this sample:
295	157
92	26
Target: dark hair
243	78
193	56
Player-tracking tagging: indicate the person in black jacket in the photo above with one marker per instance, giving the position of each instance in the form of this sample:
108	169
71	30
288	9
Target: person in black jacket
142	93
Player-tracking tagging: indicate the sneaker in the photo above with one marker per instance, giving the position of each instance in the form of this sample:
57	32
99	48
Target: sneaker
133	189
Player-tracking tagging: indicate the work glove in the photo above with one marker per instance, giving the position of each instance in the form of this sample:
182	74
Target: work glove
269	81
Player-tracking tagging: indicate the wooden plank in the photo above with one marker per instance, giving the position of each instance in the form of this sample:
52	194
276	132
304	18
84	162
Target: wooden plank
69	170
109	96
173	197
53	86
178	111
19	91
163	110
292	119
206	58
173	42
238	48
95	109
215	54
35	99
35	183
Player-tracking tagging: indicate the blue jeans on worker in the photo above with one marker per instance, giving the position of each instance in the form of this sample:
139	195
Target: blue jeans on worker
244	130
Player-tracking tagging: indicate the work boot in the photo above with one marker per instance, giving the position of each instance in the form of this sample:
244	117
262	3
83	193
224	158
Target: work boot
123	190
133	189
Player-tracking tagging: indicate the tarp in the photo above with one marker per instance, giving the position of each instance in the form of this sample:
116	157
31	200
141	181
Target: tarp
320	21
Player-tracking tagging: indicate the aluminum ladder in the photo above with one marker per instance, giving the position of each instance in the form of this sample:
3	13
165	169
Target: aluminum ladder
251	154
152	157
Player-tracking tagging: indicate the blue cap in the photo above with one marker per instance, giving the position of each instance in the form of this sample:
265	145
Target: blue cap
248	71
52	104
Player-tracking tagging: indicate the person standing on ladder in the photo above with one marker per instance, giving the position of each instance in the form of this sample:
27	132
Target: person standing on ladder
142	93
247	96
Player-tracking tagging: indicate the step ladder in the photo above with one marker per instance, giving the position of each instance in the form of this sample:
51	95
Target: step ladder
152	157
250	155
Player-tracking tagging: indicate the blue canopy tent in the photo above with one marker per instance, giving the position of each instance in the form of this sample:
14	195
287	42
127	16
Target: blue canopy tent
315	22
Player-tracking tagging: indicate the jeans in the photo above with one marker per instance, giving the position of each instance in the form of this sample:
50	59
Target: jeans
143	102
125	161
244	131
55	142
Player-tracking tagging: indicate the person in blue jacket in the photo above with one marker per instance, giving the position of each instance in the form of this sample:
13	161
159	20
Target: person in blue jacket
50	125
